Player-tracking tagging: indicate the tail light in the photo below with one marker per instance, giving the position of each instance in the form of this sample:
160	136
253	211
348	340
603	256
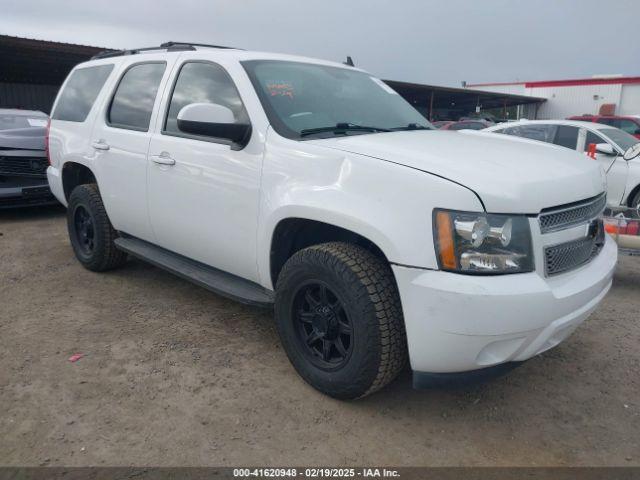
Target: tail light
46	141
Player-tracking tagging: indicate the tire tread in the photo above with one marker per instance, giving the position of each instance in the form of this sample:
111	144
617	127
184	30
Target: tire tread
109	257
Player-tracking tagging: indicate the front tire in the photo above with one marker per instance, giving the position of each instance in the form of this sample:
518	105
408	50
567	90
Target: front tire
90	231
340	320
635	201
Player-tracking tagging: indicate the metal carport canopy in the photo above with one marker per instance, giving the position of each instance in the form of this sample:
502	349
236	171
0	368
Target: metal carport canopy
435	97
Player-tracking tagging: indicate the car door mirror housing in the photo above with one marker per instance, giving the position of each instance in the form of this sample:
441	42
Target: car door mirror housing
213	120
606	149
632	152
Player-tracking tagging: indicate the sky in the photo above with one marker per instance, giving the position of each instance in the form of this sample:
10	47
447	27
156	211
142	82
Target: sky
441	42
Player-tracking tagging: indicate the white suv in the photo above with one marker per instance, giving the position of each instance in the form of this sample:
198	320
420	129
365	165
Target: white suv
314	187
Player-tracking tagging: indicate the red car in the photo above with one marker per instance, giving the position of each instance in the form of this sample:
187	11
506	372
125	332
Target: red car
628	123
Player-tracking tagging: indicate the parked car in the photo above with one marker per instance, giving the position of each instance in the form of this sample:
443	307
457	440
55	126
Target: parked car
23	161
616	151
441	123
627	123
467	125
313	187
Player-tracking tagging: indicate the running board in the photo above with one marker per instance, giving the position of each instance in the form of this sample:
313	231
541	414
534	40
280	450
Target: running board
217	281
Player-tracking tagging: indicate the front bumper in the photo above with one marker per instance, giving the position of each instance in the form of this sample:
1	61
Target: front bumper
459	323
23	192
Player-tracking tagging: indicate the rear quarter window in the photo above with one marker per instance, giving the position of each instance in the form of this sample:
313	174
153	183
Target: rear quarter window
80	92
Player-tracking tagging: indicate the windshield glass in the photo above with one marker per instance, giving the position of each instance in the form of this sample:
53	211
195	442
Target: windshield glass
620	138
10	121
299	97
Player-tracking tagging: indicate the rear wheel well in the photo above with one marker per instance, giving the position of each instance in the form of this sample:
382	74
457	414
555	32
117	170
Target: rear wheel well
74	174
293	234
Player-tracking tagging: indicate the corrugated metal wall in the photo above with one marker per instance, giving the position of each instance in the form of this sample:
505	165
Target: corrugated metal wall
630	100
28	96
565	102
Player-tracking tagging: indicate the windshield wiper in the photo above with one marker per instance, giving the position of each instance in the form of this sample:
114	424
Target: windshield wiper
411	126
342	128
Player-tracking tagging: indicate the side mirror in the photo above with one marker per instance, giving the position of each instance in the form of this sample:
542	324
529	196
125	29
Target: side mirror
632	152
213	120
606	149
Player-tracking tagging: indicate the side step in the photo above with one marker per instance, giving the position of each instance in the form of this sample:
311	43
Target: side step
217	281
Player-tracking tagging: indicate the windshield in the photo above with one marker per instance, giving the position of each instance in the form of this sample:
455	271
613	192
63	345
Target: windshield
621	138
310	101
10	121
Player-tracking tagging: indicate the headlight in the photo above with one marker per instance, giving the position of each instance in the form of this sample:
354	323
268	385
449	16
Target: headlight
481	243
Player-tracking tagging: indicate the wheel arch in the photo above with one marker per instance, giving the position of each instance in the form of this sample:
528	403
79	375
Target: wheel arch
74	174
292	234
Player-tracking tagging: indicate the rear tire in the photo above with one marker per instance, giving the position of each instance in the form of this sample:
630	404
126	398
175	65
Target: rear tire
340	295
90	231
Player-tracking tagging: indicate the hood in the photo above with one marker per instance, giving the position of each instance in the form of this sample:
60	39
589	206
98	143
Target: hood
509	174
22	138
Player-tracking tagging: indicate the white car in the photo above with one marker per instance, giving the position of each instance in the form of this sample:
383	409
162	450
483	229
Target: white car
616	151
313	187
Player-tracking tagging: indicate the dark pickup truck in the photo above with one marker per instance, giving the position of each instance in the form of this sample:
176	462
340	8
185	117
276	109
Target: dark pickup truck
23	159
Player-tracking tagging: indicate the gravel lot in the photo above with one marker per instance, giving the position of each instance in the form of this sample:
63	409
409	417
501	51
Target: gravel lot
175	375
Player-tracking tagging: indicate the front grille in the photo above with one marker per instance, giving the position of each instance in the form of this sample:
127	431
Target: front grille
561	218
23	166
568	256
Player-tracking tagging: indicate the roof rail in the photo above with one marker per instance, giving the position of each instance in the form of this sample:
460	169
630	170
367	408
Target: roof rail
168	46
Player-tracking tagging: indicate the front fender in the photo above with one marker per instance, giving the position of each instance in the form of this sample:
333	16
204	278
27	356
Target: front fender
389	204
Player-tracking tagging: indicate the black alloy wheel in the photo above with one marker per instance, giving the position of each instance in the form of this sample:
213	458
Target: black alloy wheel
85	230
324	330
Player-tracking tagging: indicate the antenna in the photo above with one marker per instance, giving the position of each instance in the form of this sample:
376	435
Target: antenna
349	62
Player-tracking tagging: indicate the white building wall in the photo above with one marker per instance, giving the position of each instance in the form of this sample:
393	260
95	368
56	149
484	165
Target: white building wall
563	102
630	100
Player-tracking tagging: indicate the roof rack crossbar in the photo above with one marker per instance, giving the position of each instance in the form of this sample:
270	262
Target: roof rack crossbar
169	46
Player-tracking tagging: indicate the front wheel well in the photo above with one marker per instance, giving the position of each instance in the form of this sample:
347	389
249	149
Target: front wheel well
74	174
632	195
293	234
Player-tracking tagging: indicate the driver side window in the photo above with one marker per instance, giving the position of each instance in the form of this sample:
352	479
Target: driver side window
203	82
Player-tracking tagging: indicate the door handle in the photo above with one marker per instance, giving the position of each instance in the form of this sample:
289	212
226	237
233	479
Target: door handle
100	145
163	159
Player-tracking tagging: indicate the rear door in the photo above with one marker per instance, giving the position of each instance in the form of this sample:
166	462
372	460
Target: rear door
120	140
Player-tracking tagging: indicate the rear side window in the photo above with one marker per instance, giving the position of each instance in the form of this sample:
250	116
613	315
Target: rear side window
201	82
567	137
467	126
135	95
80	92
541	133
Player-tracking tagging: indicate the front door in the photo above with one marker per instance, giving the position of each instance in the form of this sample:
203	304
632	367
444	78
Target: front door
203	191
614	166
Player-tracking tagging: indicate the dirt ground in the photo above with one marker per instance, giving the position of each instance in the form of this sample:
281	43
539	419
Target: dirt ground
174	375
